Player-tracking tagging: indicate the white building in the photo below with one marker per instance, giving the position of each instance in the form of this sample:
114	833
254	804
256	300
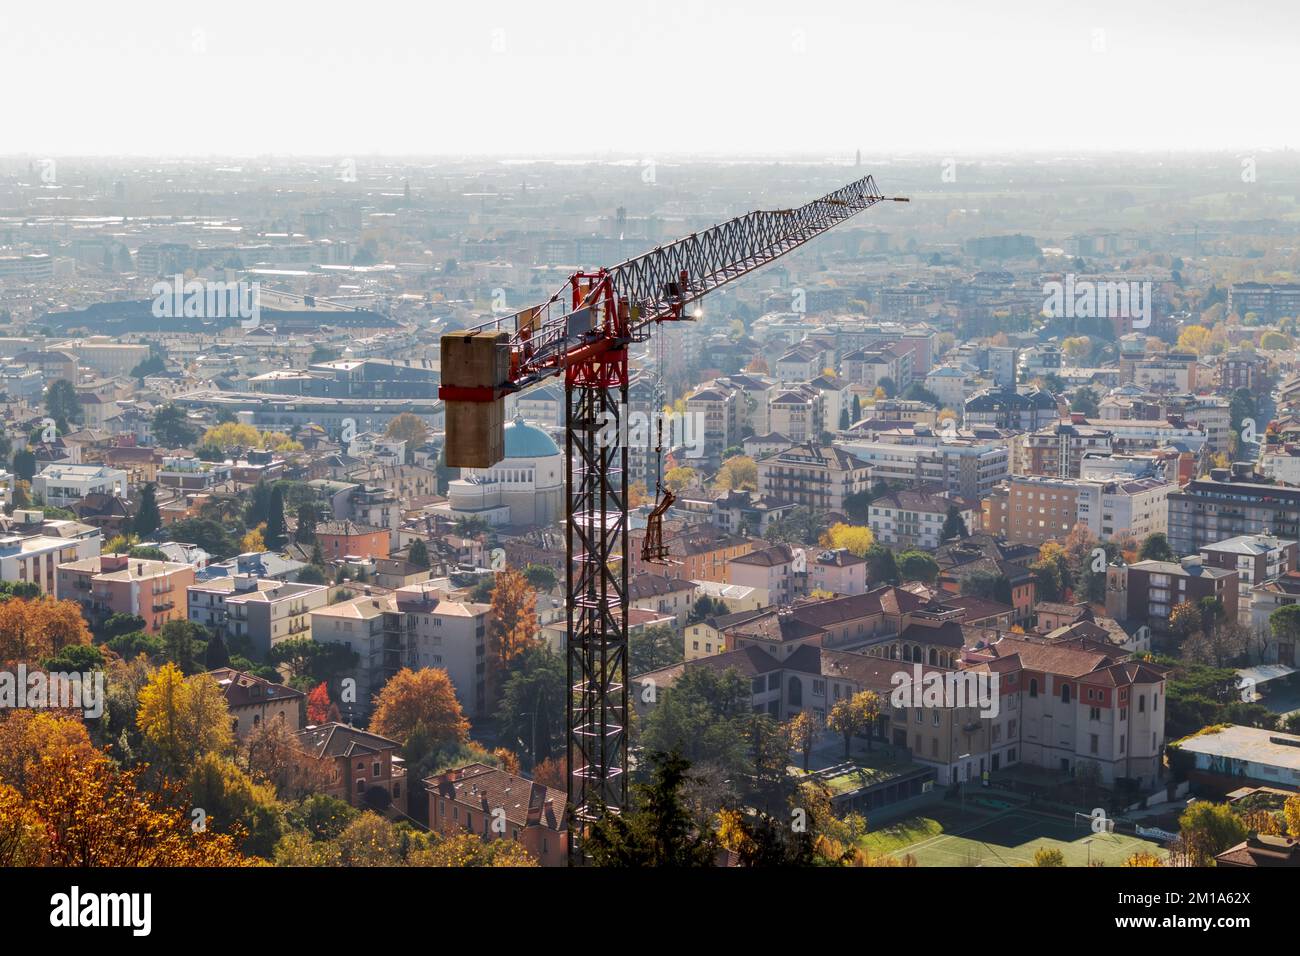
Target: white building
1139	506
35	559
525	488
65	485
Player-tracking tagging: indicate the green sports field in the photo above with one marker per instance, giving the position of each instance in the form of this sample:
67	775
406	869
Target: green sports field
948	836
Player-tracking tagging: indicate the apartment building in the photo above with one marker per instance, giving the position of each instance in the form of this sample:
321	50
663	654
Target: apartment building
1032	509
699	553
1027	410
915	519
415	627
266	613
452	635
815	476
717	407
1228	504
1148	591
967	467
117	584
1256	558
797	412
32	549
1057	450
777	571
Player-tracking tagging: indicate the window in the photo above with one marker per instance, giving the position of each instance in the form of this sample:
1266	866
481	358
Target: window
1065	693
377	768
1033	687
1093	743
819	688
1094	713
1142	703
1121	743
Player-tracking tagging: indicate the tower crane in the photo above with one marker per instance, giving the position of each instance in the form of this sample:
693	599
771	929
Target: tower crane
583	332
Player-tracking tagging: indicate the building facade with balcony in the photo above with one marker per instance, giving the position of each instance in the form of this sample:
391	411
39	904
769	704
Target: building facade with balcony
117	584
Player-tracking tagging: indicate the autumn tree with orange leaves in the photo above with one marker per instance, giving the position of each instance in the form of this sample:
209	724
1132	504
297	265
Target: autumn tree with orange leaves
31	630
77	812
320	708
420	702
512	625
28	735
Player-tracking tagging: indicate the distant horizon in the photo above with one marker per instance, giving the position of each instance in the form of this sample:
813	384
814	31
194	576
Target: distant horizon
656	77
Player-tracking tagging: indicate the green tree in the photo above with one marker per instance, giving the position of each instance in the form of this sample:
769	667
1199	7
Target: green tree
954	525
1155	547
541	577
655	647
24	465
533	704
918	566
418	554
62	403
172	428
660	831
183	642
882	568
148	518
305	533
277	531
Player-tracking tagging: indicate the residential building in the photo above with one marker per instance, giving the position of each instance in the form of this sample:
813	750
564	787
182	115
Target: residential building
968	467
1057	450
254	700
117	584
35	555
815	476
777	571
361	768
495	804
838	571
907	520
1228	504
347	538
1256	558
63	486
1148	591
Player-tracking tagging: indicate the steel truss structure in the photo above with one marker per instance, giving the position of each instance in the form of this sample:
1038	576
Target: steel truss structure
583	332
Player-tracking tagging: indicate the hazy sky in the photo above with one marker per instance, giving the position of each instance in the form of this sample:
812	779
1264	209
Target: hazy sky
644	77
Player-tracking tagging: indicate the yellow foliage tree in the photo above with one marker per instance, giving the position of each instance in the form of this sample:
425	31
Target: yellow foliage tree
1193	339
89	813
738	473
856	539
183	718
678	478
253	540
28	735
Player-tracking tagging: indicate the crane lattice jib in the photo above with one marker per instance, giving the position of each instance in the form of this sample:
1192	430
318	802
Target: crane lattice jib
569	327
